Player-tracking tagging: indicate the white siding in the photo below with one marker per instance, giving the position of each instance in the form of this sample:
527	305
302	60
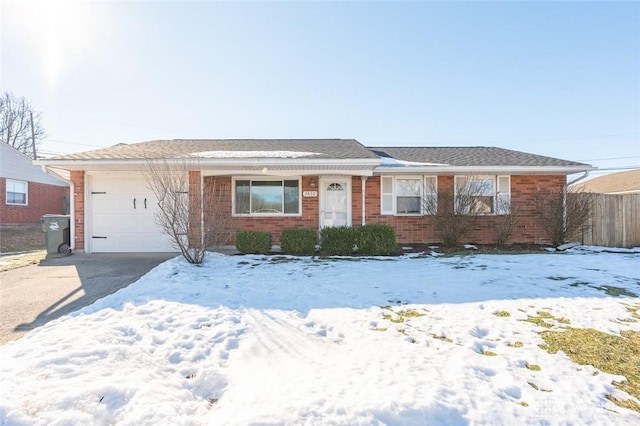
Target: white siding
15	165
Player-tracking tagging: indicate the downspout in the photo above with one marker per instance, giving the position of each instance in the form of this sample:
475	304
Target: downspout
564	197
72	213
202	236
364	199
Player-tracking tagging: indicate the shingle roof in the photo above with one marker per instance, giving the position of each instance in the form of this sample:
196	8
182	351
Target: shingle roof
471	156
615	183
346	149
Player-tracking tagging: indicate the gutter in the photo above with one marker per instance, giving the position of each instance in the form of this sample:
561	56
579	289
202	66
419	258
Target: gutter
579	178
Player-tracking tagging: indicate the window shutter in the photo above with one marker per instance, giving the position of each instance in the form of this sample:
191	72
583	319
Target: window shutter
503	195
386	195
430	203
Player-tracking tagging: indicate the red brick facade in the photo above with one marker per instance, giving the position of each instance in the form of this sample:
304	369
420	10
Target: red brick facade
41	199
218	192
409	229
78	178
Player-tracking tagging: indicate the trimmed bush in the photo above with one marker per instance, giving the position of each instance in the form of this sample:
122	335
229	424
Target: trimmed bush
299	241
338	241
254	242
376	240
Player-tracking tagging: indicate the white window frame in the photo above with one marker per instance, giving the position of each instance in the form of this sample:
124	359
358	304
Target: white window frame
265	179
13	182
389	193
500	200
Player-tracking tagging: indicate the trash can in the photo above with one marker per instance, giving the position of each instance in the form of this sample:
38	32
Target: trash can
57	234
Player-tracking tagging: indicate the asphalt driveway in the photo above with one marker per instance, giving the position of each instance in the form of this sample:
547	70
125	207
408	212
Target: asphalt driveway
33	295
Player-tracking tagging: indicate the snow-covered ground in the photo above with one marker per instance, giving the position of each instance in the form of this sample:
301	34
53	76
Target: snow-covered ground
281	340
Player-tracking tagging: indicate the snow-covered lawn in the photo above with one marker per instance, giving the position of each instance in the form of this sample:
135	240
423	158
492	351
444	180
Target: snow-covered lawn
281	340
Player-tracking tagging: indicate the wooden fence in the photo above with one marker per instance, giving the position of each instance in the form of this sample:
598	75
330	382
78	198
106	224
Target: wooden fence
615	221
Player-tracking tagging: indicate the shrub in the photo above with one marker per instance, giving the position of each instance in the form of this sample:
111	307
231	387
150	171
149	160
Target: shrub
257	242
338	241
299	241
376	240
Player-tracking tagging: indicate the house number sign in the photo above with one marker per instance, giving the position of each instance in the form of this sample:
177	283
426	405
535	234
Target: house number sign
310	193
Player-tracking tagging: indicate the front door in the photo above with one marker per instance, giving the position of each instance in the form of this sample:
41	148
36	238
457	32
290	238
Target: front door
335	209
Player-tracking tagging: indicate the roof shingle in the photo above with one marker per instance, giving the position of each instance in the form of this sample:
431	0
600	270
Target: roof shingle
164	149
471	156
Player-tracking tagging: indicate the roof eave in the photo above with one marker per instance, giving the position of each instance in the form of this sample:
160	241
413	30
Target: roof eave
205	163
507	170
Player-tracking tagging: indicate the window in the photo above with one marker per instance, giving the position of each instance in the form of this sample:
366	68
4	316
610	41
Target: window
484	195
267	197
408	195
16	192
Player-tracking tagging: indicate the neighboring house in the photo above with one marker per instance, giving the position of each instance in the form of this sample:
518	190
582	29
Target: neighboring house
614	184
28	192
314	183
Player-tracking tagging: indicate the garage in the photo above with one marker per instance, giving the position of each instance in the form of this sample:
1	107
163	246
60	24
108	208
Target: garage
121	215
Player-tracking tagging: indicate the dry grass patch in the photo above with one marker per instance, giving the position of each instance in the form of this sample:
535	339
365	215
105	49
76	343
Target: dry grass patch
543	318
533	367
442	338
612	354
502	314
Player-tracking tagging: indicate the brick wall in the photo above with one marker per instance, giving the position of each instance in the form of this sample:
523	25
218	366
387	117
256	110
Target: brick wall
420	229
78	179
218	192
41	198
409	229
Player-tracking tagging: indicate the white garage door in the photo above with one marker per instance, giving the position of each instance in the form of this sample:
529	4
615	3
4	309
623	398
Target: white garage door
122	215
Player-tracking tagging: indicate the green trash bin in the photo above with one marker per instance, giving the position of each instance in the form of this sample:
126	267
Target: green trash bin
57	234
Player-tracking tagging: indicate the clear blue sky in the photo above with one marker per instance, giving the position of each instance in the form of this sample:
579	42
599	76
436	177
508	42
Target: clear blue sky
553	78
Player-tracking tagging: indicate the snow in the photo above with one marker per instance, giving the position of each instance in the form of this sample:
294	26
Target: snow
284	340
392	162
253	154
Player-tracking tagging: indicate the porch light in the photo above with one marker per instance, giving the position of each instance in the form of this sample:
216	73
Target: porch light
312	182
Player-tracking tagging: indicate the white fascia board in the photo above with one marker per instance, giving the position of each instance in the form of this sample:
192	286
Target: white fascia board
61	174
502	170
289	172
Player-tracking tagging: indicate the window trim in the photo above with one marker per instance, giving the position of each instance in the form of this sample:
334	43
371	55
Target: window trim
26	192
495	179
394	194
265	179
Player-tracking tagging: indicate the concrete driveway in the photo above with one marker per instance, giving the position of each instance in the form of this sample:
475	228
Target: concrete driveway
33	295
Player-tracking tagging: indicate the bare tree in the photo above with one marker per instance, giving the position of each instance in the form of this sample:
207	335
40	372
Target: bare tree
505	222
180	213
563	213
456	212
15	124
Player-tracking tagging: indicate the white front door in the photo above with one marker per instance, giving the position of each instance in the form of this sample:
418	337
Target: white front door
335	202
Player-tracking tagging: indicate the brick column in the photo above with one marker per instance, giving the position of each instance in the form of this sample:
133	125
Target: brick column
77	179
195	206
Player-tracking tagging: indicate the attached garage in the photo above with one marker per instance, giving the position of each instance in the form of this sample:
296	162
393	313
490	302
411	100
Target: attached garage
121	214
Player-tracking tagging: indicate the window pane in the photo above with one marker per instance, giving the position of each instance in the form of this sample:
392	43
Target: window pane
16	198
387	185
503	184
16	192
291	197
266	196
482	187
387	204
408	187
242	197
482	205
408	205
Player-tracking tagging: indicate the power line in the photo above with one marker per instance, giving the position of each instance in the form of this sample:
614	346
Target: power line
612	158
